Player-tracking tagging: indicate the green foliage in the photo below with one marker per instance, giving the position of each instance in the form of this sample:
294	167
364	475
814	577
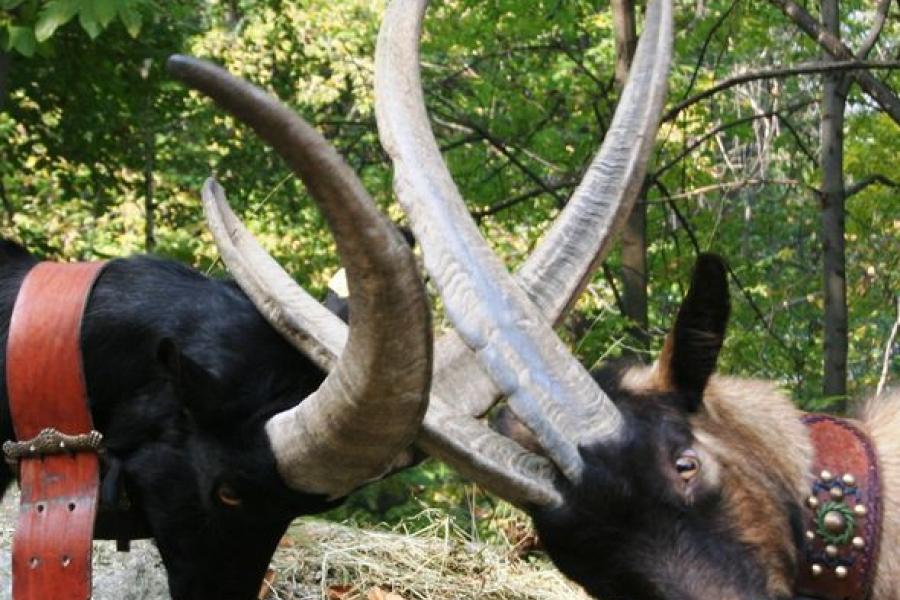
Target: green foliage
27	26
410	496
521	94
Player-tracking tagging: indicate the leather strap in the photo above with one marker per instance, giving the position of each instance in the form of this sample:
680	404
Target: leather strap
842	514
45	383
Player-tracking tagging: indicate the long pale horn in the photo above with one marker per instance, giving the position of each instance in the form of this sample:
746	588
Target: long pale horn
372	402
560	267
555	273
546	387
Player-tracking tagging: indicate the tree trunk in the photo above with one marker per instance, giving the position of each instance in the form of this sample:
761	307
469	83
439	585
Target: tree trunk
149	163
626	37
5	64
829	39
7	205
832	166
634	234
149	160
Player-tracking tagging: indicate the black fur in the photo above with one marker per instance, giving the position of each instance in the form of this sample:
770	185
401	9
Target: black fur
182	373
627	534
699	330
630	530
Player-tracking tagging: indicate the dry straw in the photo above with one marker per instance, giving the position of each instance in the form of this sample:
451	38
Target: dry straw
317	558
439	562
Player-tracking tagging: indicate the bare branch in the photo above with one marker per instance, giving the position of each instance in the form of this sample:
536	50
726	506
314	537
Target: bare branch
881	12
798	138
503	148
878	91
801	69
611	282
7	205
699	141
731	186
670	199
712	32
870	180
5	64
510	202
888	351
463	141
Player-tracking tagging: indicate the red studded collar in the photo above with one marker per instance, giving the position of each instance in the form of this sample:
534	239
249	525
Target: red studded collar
842	515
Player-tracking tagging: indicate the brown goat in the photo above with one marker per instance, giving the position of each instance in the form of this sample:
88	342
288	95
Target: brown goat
645	483
881	419
754	448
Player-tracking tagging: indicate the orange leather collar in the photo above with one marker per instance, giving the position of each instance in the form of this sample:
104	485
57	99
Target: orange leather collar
842	513
58	474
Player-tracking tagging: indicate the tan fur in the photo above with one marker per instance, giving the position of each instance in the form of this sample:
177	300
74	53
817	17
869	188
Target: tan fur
765	456
754	447
881	417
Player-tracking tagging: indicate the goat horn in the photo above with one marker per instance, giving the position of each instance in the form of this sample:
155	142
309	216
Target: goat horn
557	271
372	402
547	388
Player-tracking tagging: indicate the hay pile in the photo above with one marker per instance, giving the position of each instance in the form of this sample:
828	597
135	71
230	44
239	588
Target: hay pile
322	560
437	563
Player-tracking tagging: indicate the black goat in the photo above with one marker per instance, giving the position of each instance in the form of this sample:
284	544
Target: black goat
219	424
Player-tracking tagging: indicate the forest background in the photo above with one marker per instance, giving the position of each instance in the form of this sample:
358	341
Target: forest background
777	151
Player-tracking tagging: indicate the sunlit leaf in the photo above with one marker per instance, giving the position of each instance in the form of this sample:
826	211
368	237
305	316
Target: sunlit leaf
53	15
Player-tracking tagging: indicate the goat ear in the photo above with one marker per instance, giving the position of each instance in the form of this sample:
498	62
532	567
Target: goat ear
692	347
194	385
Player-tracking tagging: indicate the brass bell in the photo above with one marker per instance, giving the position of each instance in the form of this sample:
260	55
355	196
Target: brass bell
841	572
859	543
816	570
831	550
826	475
848	479
837	493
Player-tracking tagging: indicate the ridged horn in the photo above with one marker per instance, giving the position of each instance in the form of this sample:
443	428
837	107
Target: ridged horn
556	272
546	387
372	402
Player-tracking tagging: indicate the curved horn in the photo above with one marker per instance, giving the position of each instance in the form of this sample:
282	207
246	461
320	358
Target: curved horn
547	388
371	404
297	316
555	273
561	265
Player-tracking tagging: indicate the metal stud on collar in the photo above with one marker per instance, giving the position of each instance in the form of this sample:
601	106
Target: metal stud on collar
51	441
835	523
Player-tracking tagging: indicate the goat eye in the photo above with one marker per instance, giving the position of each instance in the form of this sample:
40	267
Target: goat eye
227	496
688	464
